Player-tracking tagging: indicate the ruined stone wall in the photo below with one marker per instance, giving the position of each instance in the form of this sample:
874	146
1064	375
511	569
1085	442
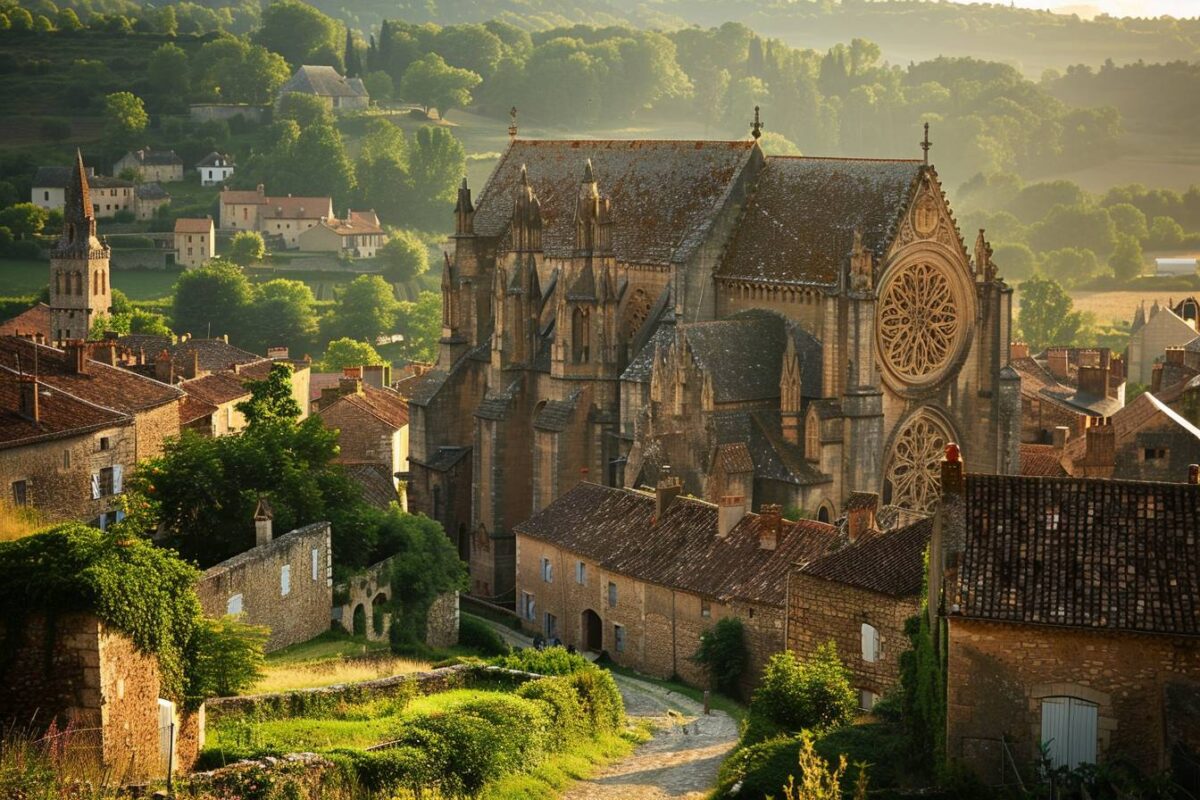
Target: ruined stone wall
441	626
58	473
257	577
820	611
998	674
129	688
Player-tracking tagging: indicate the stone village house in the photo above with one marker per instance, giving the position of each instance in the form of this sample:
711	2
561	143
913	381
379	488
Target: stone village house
359	235
592	313
162	166
195	242
1150	336
215	168
324	83
372	426
1071	619
286	217
642	575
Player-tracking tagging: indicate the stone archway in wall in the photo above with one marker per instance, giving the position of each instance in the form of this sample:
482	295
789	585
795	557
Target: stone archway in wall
913	472
593	631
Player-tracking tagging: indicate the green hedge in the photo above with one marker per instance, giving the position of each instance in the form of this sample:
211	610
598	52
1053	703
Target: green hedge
478	635
549	661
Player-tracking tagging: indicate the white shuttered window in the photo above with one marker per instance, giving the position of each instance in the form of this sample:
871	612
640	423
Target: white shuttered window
1069	731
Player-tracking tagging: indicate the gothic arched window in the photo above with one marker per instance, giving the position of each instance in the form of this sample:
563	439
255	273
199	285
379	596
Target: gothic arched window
581	336
812	438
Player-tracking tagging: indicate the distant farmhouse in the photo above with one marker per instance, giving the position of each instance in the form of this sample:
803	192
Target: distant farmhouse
152	165
109	196
359	235
338	93
195	241
301	223
215	168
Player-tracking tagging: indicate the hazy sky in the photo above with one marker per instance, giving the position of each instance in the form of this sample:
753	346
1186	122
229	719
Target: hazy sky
1123	8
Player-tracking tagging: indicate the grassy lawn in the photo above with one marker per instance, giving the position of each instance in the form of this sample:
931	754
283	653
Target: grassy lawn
552	777
332	658
334	645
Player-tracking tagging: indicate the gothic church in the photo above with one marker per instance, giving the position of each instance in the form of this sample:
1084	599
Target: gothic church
788	329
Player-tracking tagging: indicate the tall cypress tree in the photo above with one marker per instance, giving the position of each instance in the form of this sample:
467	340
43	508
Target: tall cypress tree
353	61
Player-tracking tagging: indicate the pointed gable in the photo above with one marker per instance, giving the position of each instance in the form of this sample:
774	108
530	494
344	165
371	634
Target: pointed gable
798	226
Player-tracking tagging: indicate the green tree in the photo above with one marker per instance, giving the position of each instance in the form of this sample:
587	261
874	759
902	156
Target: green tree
436	164
1126	260
723	655
300	33
320	164
167	71
1047	315
125	118
20	20
1015	261
229	657
798	695
271	399
1165	234
365	311
1035	201
342	353
426	565
24	219
471	47
1085	227
68	20
404	257
1129	220
165	20
283	313
775	144
379	85
305	109
421	324
1070	265
246	248
433	83
42	24
212	300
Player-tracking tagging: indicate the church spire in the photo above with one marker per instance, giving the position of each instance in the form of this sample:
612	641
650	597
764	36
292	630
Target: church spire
527	216
592	220
756	127
926	145
79	219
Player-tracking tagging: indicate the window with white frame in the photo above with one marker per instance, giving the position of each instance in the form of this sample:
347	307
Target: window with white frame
234	605
550	625
705	609
547	570
619	638
527	605
1069	731
870	643
581	573
285	580
316	563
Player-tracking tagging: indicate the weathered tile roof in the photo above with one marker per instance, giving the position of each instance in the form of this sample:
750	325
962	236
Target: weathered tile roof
798	226
28	323
642	365
1102	554
192	409
444	458
59	414
1041	460
297	208
105	182
153	157
891	563
151	191
213	354
55	177
616	528
103	385
556	414
322	81
734	457
776	458
664	194
193	225
375	482
215	159
215	389
384	404
243	197
496	405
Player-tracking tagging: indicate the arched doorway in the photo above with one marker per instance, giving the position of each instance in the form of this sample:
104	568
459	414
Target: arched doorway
378	610
360	620
593	631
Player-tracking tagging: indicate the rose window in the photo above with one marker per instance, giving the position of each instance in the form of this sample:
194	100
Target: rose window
915	471
918	326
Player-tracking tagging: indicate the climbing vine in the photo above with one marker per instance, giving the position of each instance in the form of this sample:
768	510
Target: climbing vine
142	590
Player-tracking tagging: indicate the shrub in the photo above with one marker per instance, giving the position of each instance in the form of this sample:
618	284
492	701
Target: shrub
229	656
758	728
811	694
465	751
600	697
563	708
723	654
383	772
550	661
478	635
130	242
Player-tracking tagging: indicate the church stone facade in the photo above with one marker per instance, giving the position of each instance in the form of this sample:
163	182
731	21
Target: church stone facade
789	330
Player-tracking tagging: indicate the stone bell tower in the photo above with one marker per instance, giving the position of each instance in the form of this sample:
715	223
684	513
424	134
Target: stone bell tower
79	280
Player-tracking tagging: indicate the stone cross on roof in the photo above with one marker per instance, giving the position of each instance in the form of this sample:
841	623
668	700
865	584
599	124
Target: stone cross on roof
926	144
756	127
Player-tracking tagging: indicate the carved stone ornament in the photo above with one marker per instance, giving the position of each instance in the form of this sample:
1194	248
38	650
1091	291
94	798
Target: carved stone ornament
918	329
914	471
926	214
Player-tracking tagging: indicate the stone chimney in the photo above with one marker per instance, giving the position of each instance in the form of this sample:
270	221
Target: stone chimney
730	511
105	352
1059	436
1100	450
770	520
263	514
1194	474
1094	381
665	492
191	365
77	357
861	510
349	386
377	375
1174	355
1056	362
29	403
952	471
329	396
164	367
1018	350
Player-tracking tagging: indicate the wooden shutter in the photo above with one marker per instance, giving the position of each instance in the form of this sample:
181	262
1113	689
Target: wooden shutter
1069	730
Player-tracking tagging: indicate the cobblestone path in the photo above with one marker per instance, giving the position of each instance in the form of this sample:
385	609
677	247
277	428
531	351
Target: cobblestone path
680	761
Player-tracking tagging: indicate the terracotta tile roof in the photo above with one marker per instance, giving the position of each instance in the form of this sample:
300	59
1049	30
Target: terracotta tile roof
664	193
247	197
384	404
191	225
59	414
1106	554
214	354
615	528
734	458
859	501
297	208
28	323
193	409
375	482
892	562
216	389
1126	422
1041	460
798	225
103	385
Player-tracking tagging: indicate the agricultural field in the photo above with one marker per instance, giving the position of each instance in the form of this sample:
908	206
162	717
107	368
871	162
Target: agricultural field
30	277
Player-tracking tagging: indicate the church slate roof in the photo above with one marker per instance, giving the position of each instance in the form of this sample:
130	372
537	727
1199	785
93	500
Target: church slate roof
798	226
1100	554
556	414
641	365
664	194
616	528
891	563
496	405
